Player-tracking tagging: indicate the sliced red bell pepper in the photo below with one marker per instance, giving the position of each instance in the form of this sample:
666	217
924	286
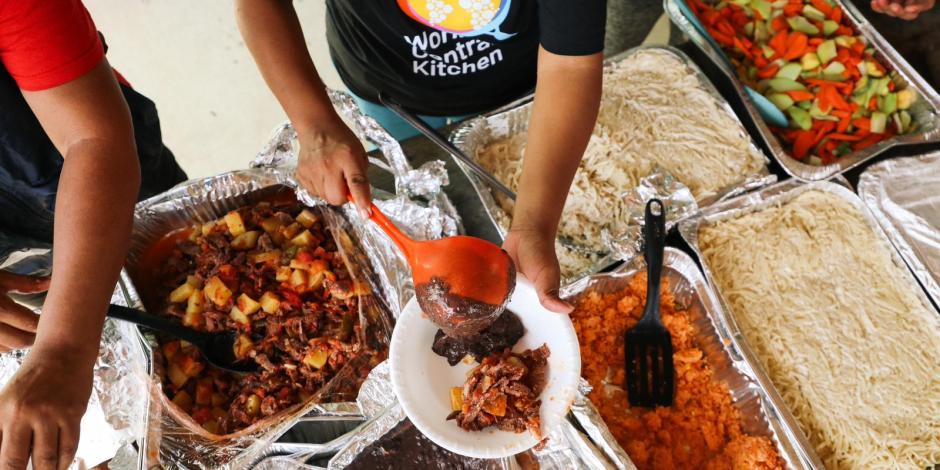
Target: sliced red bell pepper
769	71
845	137
779	42
796	46
801	95
802	144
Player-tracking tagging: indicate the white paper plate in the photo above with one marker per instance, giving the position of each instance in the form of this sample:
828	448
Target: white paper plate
422	379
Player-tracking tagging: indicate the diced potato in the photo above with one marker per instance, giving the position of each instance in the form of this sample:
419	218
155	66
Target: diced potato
193	281
218	413
270	303
304	239
314	266
496	406
283	273
298	278
192	319
247	304
211	427
246	241
176	375
184	345
253	405
217	291
204	390
183	400
362	288
236	226
315	280
208	228
190	366
290	231
218	399
196	302
906	98
271	225
456	398
238	316
307	218
316	358
170	349
270	258
243	346
182	293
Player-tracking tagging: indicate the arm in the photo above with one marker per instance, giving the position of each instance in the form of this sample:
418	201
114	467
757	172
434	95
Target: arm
904	9
331	157
88	121
567	97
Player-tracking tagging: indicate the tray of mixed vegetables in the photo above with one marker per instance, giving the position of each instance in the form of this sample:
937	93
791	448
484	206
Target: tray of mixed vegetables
846	93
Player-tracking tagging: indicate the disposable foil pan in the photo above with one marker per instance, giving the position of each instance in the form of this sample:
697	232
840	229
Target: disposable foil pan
200	201
903	196
713	336
514	118
754	202
925	112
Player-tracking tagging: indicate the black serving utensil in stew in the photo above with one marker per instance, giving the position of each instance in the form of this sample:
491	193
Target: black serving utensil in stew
648	345
217	348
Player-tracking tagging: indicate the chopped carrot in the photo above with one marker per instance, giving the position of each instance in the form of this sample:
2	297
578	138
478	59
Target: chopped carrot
796	46
845	137
779	42
844	31
844	123
769	71
863	124
872	104
779	24
801	95
816	41
792	9
869	141
802	144
836	14
823	6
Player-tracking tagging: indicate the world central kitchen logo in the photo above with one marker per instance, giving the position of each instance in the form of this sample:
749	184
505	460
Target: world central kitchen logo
463	38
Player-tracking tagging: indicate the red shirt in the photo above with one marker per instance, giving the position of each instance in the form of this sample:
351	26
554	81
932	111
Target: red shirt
47	43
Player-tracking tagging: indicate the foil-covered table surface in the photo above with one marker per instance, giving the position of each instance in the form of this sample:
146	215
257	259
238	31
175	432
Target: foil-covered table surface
623	236
925	112
904	196
713	336
753	202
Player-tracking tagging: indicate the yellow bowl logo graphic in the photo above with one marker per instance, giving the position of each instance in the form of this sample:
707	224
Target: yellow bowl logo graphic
461	17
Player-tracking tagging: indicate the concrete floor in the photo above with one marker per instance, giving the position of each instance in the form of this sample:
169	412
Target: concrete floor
215	109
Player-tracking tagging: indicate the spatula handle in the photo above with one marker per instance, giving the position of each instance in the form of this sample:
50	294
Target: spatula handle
654	234
158	323
404	242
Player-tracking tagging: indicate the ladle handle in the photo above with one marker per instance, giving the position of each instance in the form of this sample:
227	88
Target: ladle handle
404	242
154	322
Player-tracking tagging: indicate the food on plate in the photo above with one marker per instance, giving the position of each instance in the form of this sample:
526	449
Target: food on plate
702	429
839	327
501	335
655	114
272	274
405	447
503	391
809	61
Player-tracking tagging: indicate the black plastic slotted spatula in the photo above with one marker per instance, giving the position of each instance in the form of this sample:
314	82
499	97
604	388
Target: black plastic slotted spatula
648	345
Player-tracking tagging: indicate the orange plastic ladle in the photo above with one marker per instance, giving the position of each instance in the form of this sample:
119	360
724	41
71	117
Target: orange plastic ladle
462	283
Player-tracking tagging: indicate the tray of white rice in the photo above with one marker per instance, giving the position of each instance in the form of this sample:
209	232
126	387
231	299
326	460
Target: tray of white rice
847	345
659	113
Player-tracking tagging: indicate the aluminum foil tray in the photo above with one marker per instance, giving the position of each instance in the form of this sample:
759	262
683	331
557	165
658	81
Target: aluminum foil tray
903	196
514	118
925	113
713	336
754	202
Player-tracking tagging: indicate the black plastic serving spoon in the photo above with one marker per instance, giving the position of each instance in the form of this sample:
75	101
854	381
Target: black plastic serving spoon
217	348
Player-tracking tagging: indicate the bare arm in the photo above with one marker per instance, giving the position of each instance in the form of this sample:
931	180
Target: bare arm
567	98
331	158
89	123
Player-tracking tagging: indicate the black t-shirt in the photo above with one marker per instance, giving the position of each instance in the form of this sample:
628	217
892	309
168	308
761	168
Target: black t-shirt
452	57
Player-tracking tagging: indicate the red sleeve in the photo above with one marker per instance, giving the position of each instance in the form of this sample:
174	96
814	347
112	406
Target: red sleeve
46	43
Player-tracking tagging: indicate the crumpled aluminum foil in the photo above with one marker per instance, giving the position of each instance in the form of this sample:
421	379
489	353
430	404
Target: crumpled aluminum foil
903	195
625	235
114	417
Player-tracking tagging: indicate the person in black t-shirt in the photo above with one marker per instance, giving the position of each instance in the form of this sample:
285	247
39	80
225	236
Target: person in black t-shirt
445	58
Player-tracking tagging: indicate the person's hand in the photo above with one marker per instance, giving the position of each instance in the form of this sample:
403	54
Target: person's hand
41	410
533	252
18	323
331	160
904	9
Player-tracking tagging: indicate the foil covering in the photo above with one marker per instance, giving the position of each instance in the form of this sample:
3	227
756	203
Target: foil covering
770	196
172	438
478	132
925	112
114	417
715	339
903	196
